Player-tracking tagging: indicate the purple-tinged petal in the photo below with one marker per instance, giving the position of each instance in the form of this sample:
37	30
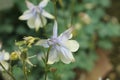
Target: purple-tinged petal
55	27
26	15
43	3
29	5
43	42
66	34
1	56
65	55
53	56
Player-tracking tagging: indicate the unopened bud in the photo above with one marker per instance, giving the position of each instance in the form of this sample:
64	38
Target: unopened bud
85	18
29	40
14	56
23	55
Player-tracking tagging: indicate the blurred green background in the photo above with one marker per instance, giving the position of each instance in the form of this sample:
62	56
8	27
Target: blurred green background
97	31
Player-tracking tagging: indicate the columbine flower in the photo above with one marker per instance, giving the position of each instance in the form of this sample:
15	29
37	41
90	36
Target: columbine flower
36	15
61	46
4	56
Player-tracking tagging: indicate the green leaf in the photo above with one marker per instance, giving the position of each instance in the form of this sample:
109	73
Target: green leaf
18	73
6	28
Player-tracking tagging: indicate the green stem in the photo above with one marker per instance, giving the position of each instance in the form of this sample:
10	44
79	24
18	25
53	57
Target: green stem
24	70
72	10
54	76
55	9
46	65
7	72
10	66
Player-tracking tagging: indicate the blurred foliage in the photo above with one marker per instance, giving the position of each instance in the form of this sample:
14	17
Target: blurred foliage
93	30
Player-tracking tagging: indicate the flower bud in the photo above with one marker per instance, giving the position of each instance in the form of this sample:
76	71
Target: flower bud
14	56
23	55
85	18
29	40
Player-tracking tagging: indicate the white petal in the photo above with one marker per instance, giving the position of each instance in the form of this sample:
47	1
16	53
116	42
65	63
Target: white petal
5	64
31	23
43	21
48	15
43	42
43	3
72	45
29	5
66	56
53	56
37	23
55	28
26	15
6	56
66	34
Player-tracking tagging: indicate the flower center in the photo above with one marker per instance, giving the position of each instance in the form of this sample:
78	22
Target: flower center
37	10
53	41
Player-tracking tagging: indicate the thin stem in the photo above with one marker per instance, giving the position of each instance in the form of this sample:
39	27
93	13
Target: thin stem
7	72
24	70
10	66
72	10
54	76
55	9
46	65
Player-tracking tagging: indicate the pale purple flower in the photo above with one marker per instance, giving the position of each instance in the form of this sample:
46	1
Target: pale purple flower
35	15
61	46
4	56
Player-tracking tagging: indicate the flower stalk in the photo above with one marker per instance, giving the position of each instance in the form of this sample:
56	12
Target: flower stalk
46	61
72	10
55	8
